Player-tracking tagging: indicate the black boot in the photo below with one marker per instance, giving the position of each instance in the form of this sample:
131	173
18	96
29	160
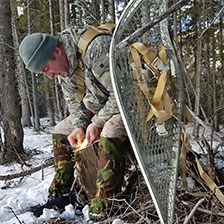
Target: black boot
57	203
77	204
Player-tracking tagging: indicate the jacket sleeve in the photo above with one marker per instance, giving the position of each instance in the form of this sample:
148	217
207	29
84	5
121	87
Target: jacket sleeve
80	116
98	67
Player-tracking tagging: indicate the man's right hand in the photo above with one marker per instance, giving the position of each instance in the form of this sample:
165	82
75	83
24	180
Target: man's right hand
75	138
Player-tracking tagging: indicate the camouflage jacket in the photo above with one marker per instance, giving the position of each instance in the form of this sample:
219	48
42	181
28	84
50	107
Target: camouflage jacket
98	104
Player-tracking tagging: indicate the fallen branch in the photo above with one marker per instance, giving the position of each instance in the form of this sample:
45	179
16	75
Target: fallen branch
133	212
187	219
15	215
27	172
149	25
207	127
133	209
206	210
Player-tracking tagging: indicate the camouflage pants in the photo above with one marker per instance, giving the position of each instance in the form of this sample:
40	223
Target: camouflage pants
63	177
111	159
111	166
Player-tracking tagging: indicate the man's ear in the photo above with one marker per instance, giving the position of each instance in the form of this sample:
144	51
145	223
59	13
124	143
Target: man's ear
57	51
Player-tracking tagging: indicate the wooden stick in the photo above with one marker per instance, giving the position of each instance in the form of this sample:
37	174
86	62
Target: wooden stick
27	172
187	219
205	210
207	127
15	214
149	25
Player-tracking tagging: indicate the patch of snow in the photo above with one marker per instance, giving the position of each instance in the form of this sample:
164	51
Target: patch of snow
17	195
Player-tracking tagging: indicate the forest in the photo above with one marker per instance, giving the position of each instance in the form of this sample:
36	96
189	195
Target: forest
197	33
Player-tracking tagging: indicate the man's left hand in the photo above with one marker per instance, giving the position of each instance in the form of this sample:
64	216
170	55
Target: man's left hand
93	133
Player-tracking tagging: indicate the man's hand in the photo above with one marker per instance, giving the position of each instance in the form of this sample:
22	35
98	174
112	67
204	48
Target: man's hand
93	133
75	138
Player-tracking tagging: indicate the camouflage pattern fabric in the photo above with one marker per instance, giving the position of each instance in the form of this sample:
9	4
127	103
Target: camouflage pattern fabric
99	103
111	166
114	128
64	127
98	106
63	177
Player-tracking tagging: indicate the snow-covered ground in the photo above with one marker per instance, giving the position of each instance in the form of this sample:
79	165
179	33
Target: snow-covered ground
19	194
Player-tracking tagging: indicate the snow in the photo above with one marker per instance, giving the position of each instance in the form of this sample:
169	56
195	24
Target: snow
17	195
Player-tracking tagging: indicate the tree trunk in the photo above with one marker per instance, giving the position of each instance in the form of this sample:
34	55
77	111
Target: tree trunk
21	78
222	65
103	17
51	17
10	116
96	9
49	103
66	13
36	120
197	76
62	14
112	11
214	77
197	86
56	97
209	75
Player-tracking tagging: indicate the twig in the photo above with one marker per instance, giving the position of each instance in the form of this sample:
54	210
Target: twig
206	210
216	111
207	127
134	210
211	213
8	45
149	25
14	214
27	172
187	219
211	22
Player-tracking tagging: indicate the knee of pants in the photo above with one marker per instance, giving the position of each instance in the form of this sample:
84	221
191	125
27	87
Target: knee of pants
114	128
113	146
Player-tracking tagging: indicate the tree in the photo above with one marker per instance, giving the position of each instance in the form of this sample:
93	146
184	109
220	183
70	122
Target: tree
10	116
21	75
112	11
36	119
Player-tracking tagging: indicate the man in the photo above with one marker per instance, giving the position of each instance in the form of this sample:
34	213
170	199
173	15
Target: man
94	115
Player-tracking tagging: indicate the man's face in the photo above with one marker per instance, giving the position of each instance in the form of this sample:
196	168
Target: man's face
56	65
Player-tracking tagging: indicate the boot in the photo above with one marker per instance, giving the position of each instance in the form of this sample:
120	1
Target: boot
57	203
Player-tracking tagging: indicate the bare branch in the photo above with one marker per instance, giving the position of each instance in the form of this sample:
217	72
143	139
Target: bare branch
207	127
211	23
145	28
187	219
15	215
27	172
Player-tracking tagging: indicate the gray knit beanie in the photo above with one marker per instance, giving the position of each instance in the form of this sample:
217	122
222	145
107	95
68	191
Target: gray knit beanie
36	49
